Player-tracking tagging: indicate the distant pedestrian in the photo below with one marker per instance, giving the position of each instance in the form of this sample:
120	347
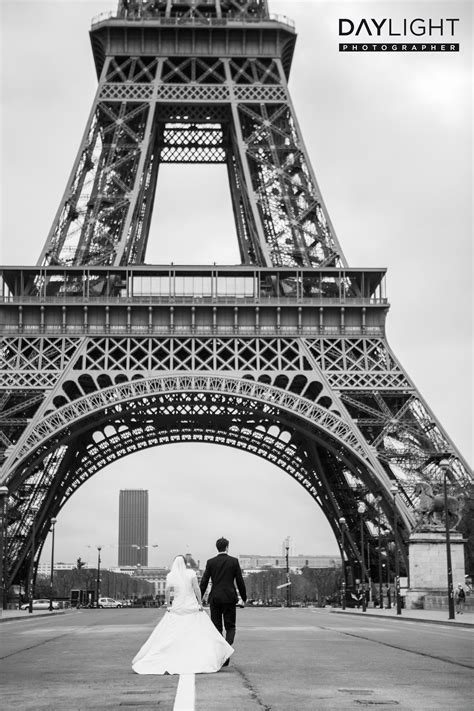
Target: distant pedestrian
460	600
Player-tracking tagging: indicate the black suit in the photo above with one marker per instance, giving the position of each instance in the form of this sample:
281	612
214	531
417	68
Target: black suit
224	573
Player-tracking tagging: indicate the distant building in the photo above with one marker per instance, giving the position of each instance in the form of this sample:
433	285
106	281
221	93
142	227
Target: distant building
133	527
45	568
255	562
155	574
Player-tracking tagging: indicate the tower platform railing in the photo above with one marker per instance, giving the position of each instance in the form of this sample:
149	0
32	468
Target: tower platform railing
152	299
177	21
101	329
192	299
191	283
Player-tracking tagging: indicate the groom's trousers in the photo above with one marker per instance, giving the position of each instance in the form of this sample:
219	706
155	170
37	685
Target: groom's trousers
224	612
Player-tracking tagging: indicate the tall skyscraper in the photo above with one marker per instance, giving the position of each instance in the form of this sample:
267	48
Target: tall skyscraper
133	527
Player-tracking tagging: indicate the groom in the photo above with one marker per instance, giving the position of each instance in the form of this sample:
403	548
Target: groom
224	572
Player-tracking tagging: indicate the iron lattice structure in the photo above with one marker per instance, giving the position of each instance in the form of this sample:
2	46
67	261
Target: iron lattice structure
284	356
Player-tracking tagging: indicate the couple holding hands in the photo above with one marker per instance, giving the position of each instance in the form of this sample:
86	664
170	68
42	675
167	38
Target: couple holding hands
186	641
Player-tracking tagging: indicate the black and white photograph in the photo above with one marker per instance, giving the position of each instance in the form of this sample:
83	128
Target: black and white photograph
236	354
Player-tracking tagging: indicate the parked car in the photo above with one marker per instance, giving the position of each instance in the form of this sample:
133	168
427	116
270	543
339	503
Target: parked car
40	605
109	602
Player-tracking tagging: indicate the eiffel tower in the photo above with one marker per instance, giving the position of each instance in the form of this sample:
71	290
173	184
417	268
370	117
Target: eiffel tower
284	355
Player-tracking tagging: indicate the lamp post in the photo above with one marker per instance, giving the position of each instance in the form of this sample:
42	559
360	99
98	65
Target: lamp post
138	573
444	464
379	510
394	492
3	498
99	548
139	548
31	573
53	523
342	523
362	508
368	571
288	603
389	596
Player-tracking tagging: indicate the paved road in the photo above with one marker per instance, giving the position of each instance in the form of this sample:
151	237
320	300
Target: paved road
285	660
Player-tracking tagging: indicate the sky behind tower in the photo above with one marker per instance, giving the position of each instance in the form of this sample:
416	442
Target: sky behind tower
389	137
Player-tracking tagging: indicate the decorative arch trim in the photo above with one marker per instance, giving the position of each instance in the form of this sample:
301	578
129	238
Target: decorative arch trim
271	449
265	394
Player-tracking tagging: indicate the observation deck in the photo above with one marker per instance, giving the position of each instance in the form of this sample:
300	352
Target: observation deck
150	299
206	28
195	12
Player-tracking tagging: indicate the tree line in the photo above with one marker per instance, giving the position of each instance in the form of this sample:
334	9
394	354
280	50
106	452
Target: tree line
310	585
116	585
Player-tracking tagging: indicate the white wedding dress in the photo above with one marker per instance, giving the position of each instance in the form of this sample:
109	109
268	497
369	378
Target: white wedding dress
184	641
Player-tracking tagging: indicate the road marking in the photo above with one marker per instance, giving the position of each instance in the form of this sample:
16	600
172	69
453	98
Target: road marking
184	699
260	628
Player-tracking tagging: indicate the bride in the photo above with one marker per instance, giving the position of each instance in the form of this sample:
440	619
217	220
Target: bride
184	641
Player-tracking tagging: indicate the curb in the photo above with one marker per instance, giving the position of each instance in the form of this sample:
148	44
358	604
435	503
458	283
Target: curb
33	616
431	621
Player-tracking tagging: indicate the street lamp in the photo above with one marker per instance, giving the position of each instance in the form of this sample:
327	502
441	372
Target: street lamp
368	572
53	523
288	604
99	548
394	492
379	511
342	522
444	465
389	596
3	498
362	508
34	510
138	575
139	548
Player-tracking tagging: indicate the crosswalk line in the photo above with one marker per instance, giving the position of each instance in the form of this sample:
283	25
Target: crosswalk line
185	693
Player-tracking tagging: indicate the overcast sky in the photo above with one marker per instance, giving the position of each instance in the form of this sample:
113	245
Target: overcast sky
389	137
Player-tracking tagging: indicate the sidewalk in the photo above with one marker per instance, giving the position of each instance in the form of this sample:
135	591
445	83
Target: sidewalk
10	615
438	617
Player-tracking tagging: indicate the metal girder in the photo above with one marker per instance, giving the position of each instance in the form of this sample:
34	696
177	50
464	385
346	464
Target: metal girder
16	402
135	125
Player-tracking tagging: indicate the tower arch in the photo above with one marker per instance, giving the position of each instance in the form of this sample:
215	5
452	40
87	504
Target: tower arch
313	445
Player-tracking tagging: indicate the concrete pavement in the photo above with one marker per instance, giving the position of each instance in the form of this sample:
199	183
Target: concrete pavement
298	659
440	617
434	616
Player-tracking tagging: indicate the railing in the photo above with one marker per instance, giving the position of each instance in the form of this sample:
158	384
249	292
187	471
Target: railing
192	21
233	299
192	284
199	330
